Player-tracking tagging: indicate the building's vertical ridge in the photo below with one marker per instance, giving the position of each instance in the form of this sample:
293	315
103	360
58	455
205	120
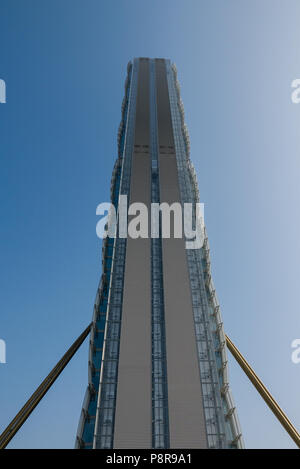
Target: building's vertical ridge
133	427
186	418
106	404
222	425
160	406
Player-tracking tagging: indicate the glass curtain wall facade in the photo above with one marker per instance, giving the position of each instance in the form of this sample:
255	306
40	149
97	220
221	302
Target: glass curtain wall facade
157	360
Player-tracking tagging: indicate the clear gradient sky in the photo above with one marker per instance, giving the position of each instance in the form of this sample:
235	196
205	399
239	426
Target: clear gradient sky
64	63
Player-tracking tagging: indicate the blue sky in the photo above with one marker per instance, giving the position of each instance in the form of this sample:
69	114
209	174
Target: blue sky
64	64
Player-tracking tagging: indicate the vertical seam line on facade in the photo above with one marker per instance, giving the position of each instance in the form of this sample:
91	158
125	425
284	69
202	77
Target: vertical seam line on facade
157	262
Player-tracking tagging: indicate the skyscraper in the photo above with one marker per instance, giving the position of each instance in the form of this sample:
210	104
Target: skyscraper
157	360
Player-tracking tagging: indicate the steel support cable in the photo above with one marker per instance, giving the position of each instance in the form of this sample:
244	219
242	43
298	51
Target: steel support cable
267	397
36	397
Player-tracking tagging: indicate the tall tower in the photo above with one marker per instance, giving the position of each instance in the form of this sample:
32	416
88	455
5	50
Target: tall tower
157	360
